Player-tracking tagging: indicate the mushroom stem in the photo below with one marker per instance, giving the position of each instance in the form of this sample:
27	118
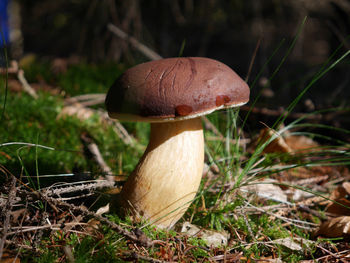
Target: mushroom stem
167	177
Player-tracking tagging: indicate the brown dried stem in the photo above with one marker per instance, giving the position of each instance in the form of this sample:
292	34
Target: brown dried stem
97	156
134	42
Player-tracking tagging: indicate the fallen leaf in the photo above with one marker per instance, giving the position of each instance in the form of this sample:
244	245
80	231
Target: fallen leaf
340	195
300	143
278	145
102	210
335	227
300	195
212	238
92	226
285	144
295	244
266	189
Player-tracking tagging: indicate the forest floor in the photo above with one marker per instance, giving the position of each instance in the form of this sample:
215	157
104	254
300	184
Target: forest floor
275	193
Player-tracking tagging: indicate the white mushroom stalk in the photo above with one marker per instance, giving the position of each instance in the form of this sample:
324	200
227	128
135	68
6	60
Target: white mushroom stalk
167	178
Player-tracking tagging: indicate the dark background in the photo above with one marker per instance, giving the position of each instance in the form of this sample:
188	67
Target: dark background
228	31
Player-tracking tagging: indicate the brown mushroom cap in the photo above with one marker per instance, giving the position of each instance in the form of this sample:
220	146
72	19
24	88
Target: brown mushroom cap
175	89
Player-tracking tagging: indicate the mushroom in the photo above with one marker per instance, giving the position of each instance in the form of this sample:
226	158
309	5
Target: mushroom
171	94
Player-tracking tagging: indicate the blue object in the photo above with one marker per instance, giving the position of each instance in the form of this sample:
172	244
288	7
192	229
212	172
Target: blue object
4	25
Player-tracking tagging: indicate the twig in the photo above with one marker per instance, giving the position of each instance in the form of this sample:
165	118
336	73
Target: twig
78	104
134	42
76	187
14	69
97	156
22	246
23	229
327	256
67	189
6	213
228	257
26	144
26	87
332	254
138	236
86	99
83	113
118	128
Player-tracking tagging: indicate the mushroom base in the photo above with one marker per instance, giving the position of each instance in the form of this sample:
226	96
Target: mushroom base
167	177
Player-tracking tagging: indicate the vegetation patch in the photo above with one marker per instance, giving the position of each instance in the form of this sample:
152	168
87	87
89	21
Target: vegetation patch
265	196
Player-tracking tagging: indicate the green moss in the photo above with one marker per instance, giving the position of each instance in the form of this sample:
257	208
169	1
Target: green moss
84	78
